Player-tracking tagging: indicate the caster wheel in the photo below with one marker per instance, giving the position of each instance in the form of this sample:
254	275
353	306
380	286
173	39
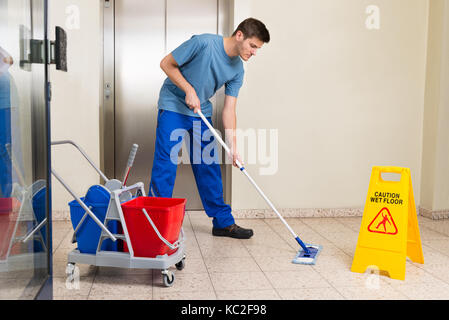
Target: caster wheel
70	269
181	264
168	278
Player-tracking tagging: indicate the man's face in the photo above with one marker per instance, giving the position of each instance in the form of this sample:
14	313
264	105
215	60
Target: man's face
248	47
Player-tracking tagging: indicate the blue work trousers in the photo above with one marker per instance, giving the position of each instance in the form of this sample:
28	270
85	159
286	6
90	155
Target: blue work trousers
172	129
5	136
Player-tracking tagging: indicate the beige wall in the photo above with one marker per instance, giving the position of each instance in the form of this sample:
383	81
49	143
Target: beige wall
435	164
442	161
75	97
343	98
432	94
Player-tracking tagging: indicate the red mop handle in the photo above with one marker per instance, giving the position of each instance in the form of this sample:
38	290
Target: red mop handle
131	157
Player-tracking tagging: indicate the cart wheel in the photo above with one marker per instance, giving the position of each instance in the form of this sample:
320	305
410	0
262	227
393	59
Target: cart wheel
168	278
70	269
181	264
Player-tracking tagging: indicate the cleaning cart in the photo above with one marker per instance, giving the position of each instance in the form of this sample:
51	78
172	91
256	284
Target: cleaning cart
22	228
149	229
23	224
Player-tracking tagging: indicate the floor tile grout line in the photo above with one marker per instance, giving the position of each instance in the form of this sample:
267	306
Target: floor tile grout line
332	286
393	288
433	275
353	228
276	232
92	284
327	239
431	222
202	257
437	250
315	231
339	288
260	268
276	289
60	242
311	268
318	232
254	260
434	230
405	297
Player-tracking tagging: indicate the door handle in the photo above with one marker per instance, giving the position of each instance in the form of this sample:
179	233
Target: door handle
33	51
58	55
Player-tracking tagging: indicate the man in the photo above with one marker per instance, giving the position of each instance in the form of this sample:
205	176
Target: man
196	70
5	124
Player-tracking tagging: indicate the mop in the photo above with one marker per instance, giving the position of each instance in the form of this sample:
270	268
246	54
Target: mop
308	253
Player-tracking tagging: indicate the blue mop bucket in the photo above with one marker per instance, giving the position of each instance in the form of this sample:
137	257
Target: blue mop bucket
39	208
89	232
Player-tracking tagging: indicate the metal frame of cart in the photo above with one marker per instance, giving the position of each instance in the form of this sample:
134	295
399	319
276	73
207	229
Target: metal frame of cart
114	212
26	214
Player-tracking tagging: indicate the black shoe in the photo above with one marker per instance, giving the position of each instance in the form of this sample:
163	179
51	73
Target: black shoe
233	231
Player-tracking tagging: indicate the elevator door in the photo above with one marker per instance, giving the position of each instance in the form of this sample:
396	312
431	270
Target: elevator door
144	32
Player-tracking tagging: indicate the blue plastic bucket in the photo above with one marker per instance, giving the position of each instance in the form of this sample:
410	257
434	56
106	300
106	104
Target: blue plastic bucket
40	212
89	232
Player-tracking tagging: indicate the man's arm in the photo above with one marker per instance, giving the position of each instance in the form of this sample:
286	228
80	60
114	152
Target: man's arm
171	69
229	124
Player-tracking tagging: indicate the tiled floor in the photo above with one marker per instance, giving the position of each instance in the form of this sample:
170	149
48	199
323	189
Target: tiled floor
261	268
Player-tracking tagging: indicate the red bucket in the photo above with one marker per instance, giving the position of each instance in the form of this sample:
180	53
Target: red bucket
166	213
9	207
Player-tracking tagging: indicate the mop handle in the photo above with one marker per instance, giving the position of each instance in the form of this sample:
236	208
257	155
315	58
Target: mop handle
14	164
132	155
247	175
217	136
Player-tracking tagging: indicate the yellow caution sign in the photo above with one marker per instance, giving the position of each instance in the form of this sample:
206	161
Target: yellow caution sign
389	231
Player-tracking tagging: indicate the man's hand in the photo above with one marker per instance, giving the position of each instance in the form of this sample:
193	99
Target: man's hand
8	60
229	123
192	100
236	156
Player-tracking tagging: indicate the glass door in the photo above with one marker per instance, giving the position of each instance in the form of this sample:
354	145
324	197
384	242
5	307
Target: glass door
25	222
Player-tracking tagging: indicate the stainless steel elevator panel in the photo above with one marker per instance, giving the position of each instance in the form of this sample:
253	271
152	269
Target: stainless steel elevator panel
144	32
186	18
139	48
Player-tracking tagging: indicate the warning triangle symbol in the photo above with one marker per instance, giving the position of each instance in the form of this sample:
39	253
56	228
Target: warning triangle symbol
383	223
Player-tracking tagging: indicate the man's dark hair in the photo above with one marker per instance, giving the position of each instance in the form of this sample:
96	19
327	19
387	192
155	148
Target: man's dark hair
253	28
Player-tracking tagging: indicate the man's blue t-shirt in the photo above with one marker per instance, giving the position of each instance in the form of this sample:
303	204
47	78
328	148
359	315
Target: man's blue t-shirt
204	63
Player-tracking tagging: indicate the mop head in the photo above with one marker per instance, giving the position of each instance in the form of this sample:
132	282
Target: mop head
307	258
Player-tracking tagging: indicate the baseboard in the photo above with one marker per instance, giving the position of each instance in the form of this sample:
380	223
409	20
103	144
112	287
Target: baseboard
63	215
435	214
299	213
326	212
